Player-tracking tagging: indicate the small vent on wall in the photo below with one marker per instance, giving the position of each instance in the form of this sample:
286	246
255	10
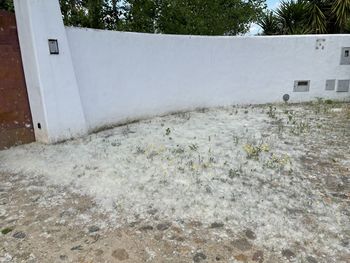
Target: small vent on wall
301	86
330	84
343	85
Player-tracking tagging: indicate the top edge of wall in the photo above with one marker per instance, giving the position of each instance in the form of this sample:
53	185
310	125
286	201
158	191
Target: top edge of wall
208	36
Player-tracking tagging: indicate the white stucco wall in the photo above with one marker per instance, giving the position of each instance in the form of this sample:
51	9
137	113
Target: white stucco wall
52	87
126	76
101	78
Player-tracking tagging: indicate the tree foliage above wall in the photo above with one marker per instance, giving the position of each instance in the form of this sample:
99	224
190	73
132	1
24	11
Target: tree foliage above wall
99	14
206	17
197	17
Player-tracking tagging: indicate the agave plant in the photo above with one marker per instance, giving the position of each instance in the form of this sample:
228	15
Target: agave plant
347	27
270	24
293	16
341	11
316	11
308	16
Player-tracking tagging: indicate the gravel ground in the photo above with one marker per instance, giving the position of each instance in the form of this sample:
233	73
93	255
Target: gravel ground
265	183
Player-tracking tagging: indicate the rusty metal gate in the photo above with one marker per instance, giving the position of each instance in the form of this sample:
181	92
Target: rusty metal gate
16	125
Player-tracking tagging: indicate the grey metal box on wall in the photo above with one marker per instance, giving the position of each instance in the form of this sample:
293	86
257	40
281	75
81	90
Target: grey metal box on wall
301	86
330	84
343	85
345	56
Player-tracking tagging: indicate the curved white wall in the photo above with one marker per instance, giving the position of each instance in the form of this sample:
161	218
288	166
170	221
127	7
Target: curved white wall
125	76
101	78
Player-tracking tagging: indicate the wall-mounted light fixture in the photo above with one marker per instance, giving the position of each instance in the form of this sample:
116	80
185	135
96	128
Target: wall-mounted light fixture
53	47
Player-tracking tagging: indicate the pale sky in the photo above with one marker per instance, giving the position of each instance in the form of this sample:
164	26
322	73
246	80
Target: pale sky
272	4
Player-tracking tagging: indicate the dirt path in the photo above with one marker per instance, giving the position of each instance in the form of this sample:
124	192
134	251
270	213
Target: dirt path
65	232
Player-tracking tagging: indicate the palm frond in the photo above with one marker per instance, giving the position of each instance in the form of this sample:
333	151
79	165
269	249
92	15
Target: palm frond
341	11
317	17
293	16
269	24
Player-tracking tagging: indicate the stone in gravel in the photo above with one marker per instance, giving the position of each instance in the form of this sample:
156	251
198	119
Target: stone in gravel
198	257
152	211
23	256
250	234
96	237
258	256
19	235
93	229
163	226
241	257
180	239
133	224
218	258
120	254
288	254
66	214
98	252
177	237
79	247
158	237
195	224
242	244
311	259
345	242
199	241
63	257
146	228
217	225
